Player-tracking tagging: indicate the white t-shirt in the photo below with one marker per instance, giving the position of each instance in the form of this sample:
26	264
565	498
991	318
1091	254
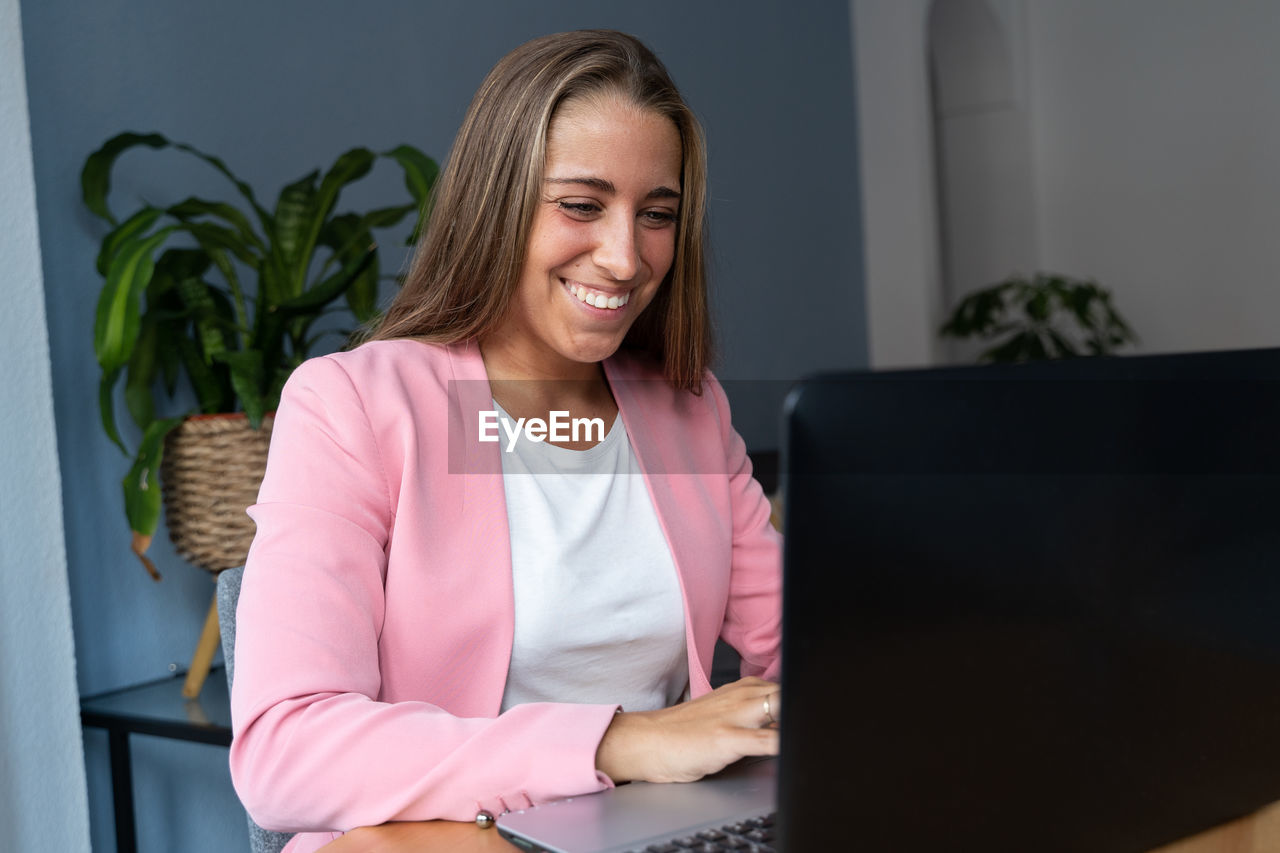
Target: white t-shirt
598	613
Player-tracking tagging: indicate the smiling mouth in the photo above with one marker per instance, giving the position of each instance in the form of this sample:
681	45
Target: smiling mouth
596	299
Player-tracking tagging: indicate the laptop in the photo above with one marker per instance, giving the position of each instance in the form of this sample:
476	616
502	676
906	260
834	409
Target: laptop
1025	607
732	807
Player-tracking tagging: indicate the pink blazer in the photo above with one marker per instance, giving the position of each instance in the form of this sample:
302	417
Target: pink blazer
376	617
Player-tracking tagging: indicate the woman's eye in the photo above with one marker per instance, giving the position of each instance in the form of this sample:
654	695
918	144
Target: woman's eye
579	208
658	217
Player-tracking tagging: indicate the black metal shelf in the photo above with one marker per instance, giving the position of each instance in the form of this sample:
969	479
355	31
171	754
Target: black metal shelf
157	709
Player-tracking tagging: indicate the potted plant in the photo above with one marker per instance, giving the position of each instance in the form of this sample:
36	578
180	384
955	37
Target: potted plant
226	296
1049	316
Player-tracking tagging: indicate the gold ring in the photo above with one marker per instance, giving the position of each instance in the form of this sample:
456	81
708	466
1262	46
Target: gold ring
768	712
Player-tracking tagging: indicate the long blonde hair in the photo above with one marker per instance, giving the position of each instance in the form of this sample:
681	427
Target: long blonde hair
469	260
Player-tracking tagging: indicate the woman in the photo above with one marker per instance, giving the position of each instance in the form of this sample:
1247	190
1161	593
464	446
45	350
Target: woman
426	631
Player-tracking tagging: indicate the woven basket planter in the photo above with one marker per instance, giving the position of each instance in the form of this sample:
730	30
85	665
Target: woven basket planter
212	468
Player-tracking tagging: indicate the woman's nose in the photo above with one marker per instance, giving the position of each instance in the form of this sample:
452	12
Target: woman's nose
616	251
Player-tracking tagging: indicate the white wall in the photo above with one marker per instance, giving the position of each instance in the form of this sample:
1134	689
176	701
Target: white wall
903	284
982	131
43	804
1157	128
1155	160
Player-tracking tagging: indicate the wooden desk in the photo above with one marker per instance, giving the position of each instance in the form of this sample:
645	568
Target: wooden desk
1257	833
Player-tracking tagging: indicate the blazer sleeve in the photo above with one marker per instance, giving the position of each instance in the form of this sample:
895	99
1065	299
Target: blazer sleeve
315	747
753	615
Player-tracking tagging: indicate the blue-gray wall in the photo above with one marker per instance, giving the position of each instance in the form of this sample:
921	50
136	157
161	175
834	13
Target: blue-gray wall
279	88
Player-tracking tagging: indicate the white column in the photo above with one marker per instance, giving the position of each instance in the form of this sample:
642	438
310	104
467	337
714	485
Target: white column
899	204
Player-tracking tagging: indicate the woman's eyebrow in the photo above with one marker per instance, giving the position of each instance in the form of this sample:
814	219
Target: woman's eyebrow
607	187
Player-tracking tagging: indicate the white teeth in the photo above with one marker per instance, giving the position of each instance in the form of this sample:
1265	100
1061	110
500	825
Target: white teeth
599	300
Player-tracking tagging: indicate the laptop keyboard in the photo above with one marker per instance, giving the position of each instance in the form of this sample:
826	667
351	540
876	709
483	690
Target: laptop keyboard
754	835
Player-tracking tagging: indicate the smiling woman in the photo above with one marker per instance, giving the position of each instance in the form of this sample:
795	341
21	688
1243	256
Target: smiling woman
602	241
418	642
601	244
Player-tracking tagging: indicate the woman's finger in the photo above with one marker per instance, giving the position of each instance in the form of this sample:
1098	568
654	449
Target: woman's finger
772	708
752	702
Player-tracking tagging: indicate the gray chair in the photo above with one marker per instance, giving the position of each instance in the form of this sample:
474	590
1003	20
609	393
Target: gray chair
260	840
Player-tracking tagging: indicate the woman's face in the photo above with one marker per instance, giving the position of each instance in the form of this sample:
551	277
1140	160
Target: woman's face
602	240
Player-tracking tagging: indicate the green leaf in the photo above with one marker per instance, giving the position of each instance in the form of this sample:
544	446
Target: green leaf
132	227
271	283
212	390
420	173
192	207
1062	348
218	237
1035	348
106	406
349	167
1116	323
1038	306
387	216
362	294
268	339
294	211
192	263
169	356
274	389
1015	349
348	236
172	265
197	298
247	377
228	270
118	317
225	314
331	288
142	483
140	375
245	189
95	177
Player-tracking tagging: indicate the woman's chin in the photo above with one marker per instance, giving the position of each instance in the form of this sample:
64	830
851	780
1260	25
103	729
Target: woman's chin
594	347
595	354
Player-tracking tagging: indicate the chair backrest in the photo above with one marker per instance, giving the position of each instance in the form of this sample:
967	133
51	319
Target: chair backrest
260	840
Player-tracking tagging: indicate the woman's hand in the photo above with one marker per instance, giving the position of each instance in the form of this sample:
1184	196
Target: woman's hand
686	742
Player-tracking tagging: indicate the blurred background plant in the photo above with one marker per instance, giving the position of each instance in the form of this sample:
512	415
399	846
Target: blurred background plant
1047	317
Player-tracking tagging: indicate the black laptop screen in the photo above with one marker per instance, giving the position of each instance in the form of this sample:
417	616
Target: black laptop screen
1032	607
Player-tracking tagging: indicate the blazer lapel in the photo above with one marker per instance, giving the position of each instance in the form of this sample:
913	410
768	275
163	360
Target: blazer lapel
478	467
646	404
